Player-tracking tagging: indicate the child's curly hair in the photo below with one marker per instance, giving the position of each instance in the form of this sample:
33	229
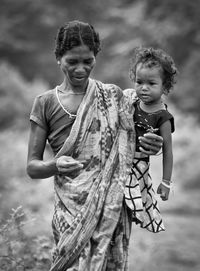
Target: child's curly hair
151	57
76	33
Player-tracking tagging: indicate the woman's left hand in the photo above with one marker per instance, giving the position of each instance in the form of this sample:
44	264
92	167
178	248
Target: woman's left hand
150	143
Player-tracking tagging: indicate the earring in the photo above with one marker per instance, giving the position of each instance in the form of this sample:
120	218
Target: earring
58	62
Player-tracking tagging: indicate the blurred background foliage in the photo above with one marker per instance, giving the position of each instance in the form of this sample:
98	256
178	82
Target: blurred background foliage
28	67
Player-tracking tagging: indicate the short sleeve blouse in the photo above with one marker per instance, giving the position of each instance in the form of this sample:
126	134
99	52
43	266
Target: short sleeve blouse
50	116
144	121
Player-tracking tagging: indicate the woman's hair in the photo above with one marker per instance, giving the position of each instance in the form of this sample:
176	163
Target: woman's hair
150	57
76	33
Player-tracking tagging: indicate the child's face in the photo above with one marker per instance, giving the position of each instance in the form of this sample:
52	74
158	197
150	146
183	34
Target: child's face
148	83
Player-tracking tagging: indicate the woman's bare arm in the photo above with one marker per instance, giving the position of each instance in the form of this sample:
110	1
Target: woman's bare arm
36	167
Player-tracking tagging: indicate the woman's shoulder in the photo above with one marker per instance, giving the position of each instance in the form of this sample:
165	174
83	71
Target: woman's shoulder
46	94
46	98
130	93
107	85
110	88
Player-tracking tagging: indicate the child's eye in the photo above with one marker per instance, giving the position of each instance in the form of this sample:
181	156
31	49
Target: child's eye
138	82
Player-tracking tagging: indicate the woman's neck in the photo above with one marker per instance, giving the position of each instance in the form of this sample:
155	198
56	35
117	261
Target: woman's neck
150	108
66	88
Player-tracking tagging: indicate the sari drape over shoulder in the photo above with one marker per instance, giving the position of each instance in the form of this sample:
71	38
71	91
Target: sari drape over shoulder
90	222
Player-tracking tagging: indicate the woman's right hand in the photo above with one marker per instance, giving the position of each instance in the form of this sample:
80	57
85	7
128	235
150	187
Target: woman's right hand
67	165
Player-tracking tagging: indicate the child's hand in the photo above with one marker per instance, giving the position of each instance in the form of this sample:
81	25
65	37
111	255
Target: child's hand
163	191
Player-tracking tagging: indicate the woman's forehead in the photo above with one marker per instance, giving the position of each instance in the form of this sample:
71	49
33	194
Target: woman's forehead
79	51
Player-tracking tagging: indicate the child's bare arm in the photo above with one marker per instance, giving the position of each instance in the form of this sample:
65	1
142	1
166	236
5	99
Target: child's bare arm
165	131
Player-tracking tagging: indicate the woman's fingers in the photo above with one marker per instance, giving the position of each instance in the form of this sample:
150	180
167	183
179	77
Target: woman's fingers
152	139
70	169
150	143
67	164
153	150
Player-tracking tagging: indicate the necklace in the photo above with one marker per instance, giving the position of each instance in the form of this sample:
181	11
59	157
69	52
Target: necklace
75	93
66	111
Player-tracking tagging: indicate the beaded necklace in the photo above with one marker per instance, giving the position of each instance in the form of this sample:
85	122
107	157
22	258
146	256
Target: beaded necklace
66	111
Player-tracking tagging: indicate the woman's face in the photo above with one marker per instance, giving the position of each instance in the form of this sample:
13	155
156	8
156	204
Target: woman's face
77	65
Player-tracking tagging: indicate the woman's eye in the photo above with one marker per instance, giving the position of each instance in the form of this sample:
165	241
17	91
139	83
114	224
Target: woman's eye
71	62
88	62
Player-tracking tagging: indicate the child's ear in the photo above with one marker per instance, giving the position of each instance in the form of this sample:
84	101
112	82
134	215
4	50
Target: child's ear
165	91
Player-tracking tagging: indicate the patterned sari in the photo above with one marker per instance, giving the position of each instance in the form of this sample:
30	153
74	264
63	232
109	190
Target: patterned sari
90	223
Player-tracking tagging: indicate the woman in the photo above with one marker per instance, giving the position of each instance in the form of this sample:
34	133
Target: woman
90	129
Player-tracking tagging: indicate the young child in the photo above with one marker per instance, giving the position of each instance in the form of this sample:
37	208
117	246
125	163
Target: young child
153	73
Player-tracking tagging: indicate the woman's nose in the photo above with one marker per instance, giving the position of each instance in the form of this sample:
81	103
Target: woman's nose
80	68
